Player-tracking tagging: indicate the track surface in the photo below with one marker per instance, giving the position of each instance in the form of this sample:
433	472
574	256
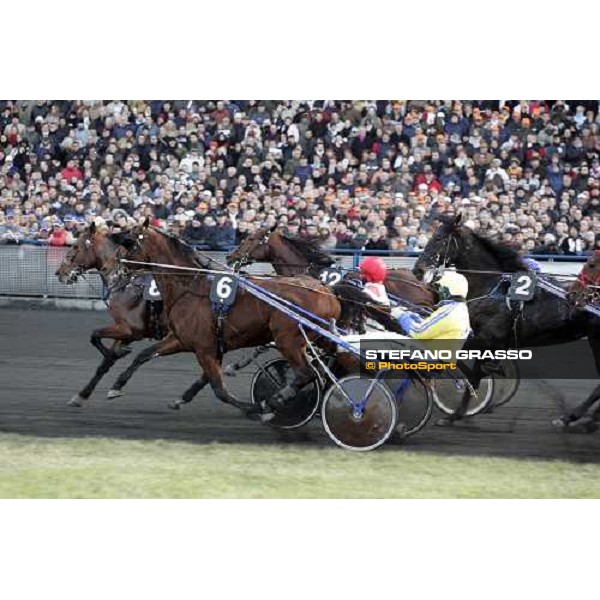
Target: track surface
45	358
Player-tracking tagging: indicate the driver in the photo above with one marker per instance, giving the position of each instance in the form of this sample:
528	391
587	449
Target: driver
374	271
450	318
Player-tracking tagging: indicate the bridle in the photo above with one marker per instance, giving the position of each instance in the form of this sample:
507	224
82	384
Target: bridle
590	292
113	278
246	259
436	265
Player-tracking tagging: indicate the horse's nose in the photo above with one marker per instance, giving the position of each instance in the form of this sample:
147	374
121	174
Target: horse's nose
418	272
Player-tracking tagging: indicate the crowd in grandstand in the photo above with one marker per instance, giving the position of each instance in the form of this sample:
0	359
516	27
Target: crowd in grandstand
368	175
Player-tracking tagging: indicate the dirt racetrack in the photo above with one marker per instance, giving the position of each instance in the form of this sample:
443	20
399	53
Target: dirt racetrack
45	358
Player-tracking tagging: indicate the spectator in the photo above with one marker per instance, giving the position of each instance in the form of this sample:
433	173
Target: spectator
59	235
225	234
341	170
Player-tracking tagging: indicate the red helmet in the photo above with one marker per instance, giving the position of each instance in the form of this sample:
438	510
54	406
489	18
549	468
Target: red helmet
373	269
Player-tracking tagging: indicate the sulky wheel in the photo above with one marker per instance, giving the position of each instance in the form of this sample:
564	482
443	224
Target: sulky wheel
273	376
506	382
414	401
359	413
448	393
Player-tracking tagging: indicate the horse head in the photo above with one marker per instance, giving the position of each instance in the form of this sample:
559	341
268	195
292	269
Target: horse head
255	248
92	250
459	246
586	288
444	248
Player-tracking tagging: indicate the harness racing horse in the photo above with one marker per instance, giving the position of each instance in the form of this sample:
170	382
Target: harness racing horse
250	322
134	317
586	288
297	256
303	256
545	320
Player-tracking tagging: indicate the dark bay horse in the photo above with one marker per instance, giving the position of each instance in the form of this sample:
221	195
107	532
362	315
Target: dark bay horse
545	320
134	317
296	256
250	322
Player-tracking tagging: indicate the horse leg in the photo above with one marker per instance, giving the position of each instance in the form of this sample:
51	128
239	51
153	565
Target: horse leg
167	346
117	331
121	334
581	409
293	350
473	378
211	367
190	393
231	369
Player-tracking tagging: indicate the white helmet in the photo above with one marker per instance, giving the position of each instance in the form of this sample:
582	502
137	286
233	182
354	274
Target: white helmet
452	284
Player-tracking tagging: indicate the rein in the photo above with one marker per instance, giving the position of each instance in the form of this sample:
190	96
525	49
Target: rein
191	270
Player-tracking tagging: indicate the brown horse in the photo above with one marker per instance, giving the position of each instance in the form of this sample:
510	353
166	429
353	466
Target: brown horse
134	317
292	256
250	322
586	288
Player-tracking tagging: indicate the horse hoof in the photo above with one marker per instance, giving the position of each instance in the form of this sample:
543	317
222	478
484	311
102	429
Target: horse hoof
174	405
445	422
583	425
76	401
277	401
229	371
253	416
114	394
399	434
266	417
560	423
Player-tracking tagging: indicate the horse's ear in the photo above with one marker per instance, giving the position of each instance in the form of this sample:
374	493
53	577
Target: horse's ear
457	219
122	239
146	223
92	228
273	228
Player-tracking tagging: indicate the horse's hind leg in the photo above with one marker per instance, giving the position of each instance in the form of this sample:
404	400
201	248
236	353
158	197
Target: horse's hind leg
231	369
211	366
473	378
293	349
580	410
167	346
190	393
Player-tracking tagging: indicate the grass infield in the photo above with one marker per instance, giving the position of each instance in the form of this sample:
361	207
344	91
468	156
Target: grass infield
106	468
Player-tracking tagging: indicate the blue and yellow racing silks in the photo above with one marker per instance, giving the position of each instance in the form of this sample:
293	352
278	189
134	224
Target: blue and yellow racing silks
449	321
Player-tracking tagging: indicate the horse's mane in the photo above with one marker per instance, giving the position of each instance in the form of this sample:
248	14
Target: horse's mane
510	260
309	249
178	245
